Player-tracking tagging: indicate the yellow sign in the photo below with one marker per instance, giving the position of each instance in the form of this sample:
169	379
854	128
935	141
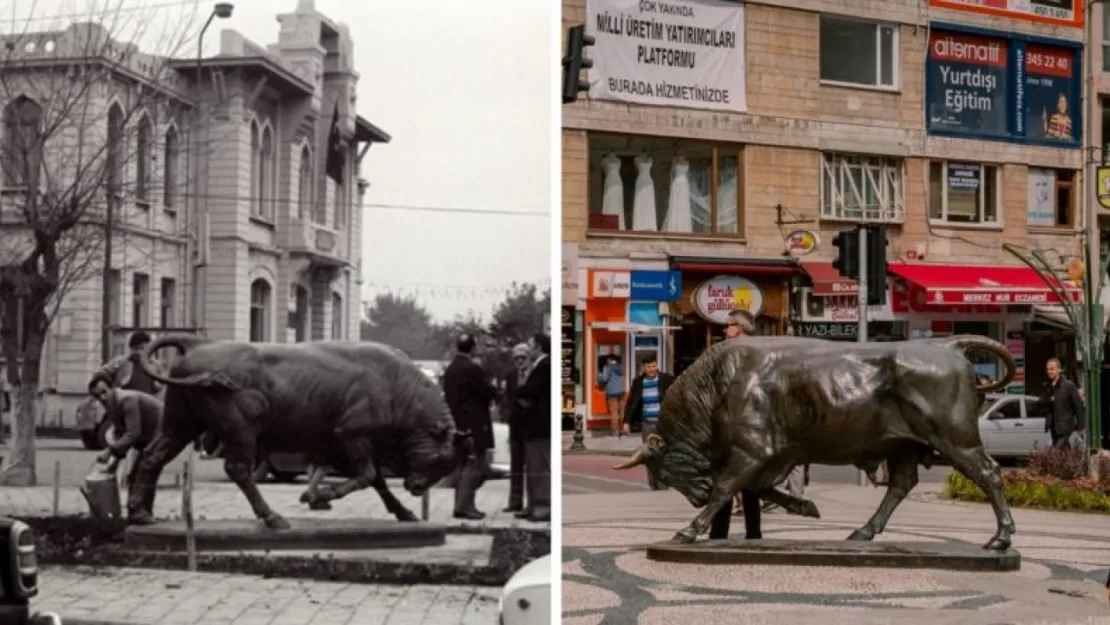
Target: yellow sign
1076	269
1102	178
742	298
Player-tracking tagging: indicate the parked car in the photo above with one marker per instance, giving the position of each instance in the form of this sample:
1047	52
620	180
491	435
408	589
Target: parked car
1012	426
526	598
287	467
19	581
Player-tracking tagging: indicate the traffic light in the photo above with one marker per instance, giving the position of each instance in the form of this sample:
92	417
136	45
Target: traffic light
876	265
574	62
846	262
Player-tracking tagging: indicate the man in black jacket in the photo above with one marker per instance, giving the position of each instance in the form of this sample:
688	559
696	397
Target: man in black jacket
1066	416
468	396
535	399
645	398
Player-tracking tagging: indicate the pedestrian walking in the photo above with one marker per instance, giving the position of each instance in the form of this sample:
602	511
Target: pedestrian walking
535	398
136	418
1065	415
740	324
645	399
515	415
611	381
468	395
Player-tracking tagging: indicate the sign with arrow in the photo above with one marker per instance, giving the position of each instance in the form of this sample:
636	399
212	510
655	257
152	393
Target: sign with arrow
656	286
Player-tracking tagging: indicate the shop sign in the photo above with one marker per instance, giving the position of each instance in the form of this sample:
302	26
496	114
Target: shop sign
715	298
828	331
995	85
913	299
801	242
569	344
656	286
570	273
1102	175
615	284
1056	12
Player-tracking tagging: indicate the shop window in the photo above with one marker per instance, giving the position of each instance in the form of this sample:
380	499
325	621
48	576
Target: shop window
663	185
1052	197
21	150
861	188
855	52
963	193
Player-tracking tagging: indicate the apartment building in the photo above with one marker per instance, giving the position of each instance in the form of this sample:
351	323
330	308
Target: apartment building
238	203
724	145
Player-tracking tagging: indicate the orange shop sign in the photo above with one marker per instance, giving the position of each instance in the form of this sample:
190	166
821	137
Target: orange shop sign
1056	12
610	284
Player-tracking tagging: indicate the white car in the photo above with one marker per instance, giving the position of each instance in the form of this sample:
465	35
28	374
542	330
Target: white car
1011	426
526	598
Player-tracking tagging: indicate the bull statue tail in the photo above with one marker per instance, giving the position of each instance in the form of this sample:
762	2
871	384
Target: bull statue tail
974	342
182	343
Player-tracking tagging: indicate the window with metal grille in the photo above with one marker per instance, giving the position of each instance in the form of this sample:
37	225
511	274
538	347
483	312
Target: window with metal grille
862	188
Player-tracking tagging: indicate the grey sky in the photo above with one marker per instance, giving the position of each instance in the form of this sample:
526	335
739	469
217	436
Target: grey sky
464	89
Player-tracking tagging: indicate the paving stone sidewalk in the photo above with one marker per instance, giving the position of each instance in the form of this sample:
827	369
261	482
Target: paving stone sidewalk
154	597
603	444
225	501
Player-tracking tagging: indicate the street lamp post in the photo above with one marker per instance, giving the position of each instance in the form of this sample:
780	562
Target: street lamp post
221	10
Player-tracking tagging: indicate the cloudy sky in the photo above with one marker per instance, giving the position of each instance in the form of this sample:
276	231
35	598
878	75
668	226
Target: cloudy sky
464	88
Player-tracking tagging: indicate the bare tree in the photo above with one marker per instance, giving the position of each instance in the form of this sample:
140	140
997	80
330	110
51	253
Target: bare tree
86	115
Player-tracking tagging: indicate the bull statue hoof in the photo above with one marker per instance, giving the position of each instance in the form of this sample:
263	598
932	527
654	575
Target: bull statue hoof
276	522
862	534
809	509
997	543
319	505
684	537
407	516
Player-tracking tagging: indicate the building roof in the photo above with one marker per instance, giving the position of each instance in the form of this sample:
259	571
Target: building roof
283	79
365	131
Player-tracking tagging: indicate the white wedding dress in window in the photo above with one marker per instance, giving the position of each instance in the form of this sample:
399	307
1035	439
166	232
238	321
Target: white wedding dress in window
643	203
612	194
679	217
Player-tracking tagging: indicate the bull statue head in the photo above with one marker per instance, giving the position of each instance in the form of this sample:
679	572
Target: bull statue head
434	453
648	455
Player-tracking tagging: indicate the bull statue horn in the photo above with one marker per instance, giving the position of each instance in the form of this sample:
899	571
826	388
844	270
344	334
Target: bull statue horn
636	460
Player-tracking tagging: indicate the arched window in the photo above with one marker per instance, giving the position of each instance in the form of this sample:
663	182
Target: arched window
170	163
260	311
115	150
341	198
144	155
22	149
256	143
336	316
266	173
305	199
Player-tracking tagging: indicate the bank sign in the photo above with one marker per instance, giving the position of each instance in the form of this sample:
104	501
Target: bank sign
984	84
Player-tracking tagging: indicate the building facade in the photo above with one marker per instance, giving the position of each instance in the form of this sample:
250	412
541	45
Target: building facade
724	145
238	211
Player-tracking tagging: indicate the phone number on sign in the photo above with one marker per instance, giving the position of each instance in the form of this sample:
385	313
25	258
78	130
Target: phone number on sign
1035	60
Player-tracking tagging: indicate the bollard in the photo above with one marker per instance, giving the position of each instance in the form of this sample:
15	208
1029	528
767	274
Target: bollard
579	441
57	486
177	480
426	505
187	515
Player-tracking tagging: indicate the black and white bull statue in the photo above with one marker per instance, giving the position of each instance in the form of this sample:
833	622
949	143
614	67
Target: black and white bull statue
358	405
749	410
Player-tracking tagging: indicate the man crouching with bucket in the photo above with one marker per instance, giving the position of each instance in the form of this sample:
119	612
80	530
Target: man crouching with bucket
135	417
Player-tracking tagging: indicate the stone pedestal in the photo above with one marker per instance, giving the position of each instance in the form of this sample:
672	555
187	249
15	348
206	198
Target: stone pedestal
304	535
954	556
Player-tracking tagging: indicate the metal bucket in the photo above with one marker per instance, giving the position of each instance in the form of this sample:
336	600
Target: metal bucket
101	491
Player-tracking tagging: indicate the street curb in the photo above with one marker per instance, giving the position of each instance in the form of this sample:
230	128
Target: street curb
589	452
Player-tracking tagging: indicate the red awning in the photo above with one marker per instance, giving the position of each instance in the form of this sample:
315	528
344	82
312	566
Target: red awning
979	284
827	281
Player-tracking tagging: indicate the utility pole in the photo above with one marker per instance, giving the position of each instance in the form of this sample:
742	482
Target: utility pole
1092	290
861	331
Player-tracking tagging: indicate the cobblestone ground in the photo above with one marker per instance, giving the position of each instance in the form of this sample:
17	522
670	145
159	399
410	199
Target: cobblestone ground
148	597
225	501
607	579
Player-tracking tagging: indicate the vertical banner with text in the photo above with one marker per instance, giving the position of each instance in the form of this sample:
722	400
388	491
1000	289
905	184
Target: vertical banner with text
682	53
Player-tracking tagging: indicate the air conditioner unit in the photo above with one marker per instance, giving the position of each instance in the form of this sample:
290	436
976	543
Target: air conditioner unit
814	304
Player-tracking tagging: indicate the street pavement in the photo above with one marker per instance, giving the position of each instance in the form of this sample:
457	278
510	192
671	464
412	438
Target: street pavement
607	579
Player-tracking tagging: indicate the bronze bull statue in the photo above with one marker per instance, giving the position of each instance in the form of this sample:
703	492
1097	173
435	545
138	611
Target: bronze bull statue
751	409
344	404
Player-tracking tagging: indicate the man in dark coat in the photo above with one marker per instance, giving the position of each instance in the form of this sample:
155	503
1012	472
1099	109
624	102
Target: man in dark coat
740	324
136	418
645	399
535	398
515	415
468	396
1066	414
